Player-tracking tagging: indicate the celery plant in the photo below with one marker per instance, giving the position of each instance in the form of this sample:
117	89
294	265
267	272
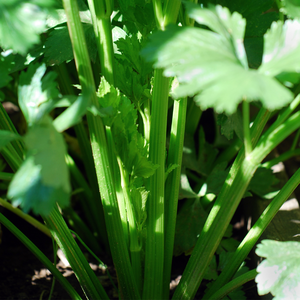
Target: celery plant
133	61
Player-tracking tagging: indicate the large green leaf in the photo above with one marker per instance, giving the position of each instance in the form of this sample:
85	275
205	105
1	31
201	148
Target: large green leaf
279	273
212	65
22	22
43	178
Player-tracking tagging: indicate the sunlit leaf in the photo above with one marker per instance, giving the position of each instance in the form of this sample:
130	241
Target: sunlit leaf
212	65
279	273
22	22
281	48
291	8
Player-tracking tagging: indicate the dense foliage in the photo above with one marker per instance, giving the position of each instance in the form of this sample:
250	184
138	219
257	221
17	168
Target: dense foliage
115	100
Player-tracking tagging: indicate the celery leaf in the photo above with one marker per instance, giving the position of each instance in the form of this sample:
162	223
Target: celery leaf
279	273
129	143
212	65
35	90
22	22
43	178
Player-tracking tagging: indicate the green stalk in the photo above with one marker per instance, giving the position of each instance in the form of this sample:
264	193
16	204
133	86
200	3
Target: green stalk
194	114
7	124
93	207
154	258
223	210
295	141
172	187
39	254
281	158
6	176
134	246
246	122
154	254
234	284
101	11
85	275
118	186
41	227
81	228
254	234
12	157
117	242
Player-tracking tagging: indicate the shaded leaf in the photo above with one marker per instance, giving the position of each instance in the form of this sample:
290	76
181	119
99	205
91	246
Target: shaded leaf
231	124
189	223
279	272
263	182
58	47
217	178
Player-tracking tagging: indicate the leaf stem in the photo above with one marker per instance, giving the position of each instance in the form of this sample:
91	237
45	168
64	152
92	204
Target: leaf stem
154	257
172	187
246	125
41	227
233	284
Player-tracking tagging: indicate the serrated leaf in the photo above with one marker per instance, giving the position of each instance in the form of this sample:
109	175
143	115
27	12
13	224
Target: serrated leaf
279	273
291	8
43	178
211	65
129	143
281	48
34	91
21	23
231	124
7	137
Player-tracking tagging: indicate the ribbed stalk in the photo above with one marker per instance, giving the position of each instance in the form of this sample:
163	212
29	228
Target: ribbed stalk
154	259
117	242
172	187
85	275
